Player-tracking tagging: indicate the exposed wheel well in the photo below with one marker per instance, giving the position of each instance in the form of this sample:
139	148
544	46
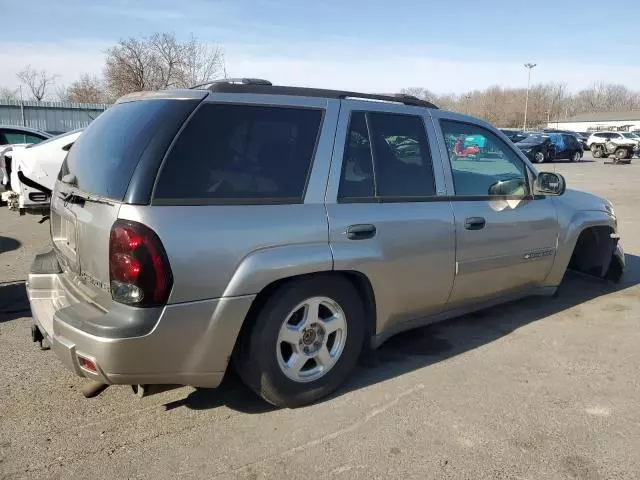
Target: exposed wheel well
359	281
593	250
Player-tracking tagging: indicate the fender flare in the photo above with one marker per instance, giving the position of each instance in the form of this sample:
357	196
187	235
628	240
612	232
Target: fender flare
263	267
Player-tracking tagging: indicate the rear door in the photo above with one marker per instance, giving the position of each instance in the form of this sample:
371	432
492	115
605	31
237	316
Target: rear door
96	178
387	217
505	238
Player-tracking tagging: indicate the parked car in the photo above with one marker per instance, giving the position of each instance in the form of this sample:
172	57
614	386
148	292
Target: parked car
15	138
34	173
287	229
582	138
603	144
546	147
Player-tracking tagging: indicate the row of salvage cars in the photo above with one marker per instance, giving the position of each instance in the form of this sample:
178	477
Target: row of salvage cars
30	161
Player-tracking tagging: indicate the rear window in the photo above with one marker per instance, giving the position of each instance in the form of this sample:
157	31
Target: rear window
105	156
231	153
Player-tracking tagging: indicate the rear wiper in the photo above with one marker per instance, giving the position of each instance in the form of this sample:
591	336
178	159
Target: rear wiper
75	198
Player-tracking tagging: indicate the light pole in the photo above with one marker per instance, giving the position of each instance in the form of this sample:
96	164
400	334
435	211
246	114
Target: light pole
529	67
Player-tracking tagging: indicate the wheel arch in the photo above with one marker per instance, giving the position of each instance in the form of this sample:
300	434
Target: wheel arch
593	250
360	282
585	225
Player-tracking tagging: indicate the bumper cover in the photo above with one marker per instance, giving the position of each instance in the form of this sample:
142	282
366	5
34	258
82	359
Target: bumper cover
189	344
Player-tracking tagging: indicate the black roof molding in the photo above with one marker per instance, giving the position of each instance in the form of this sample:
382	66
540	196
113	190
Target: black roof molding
260	86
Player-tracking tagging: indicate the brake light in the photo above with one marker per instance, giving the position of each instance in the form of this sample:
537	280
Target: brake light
139	269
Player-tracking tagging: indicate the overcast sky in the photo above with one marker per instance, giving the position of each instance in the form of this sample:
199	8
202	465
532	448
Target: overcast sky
444	46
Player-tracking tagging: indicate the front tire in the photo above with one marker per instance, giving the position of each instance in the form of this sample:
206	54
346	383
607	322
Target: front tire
576	156
539	157
597	151
305	342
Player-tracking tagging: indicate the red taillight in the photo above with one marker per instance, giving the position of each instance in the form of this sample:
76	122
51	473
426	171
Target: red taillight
138	266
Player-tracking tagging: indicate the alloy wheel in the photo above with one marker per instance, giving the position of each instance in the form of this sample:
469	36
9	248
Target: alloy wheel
311	339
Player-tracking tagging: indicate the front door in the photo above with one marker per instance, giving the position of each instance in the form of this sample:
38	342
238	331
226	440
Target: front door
385	219
505	238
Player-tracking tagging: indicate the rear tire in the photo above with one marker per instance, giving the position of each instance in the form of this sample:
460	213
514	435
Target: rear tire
261	359
620	154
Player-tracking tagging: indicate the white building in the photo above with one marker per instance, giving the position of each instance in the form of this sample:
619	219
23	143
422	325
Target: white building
589	122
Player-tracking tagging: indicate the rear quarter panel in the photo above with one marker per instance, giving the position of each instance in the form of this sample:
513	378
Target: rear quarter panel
217	251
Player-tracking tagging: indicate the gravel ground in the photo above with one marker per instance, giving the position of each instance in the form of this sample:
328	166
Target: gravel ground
539	388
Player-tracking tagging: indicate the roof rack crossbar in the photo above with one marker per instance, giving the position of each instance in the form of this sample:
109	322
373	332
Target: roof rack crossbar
259	86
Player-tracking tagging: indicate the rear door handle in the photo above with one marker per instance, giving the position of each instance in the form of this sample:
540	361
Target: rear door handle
361	231
474	223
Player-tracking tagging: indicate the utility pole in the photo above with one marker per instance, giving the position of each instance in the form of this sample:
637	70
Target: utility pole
529	66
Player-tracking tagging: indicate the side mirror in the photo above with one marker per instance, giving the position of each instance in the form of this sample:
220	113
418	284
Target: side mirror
548	183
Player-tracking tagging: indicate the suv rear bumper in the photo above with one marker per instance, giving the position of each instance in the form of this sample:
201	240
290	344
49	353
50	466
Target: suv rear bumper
190	343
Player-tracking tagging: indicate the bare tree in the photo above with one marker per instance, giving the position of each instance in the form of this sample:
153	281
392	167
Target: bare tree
201	63
6	94
547	102
130	67
38	82
168	57
158	62
87	89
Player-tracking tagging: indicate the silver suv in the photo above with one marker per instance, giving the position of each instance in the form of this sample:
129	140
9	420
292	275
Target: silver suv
285	229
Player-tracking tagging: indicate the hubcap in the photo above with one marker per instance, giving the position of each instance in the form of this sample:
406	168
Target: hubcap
539	157
311	339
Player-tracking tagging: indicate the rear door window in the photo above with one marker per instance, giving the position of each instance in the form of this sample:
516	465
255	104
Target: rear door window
105	156
386	158
230	153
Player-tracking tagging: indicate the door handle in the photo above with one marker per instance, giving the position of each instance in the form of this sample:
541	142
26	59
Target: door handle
474	223
361	231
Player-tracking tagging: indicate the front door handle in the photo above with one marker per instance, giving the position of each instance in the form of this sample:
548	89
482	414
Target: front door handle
361	231
474	223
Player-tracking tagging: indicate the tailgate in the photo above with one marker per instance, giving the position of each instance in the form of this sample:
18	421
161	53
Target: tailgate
80	234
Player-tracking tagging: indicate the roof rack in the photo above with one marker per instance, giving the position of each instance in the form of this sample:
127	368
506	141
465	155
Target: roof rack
232	81
260	86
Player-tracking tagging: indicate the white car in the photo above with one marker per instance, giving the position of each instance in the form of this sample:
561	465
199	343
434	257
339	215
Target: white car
34	172
16	138
615	137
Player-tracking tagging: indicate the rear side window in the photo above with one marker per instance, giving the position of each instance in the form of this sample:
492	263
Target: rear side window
230	153
105	156
386	157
